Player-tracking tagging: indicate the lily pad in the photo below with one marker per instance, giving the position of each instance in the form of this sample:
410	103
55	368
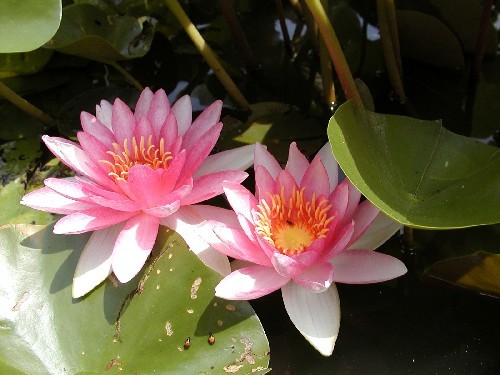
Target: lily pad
479	272
28	24
89	32
417	172
138	327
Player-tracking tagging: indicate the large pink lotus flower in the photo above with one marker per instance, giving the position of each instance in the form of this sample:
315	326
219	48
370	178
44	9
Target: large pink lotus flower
136	171
302	232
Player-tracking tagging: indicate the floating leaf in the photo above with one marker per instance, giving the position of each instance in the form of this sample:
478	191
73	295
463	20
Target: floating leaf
26	25
426	39
479	271
89	32
417	172
138	327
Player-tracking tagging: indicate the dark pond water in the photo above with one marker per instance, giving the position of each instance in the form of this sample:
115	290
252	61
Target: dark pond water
408	328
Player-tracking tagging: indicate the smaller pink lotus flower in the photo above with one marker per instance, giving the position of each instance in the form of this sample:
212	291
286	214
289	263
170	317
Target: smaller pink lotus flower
301	233
136	171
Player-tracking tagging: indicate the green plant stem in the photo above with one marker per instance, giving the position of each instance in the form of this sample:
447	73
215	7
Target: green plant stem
335	51
238	34
312	30
127	75
326	70
24	105
390	45
207	53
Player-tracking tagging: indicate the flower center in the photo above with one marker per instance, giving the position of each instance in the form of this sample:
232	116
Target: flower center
291	226
126	156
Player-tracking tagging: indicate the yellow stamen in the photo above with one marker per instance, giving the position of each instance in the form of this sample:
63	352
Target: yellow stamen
291	226
140	153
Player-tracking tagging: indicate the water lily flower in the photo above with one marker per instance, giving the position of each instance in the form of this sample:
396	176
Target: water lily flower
136	171
302	232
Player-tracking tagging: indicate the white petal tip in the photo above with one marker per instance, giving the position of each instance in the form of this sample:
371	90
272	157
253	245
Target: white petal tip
324	345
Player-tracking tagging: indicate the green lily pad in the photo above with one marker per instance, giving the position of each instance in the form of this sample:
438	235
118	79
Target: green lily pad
89	32
137	327
28	24
417	172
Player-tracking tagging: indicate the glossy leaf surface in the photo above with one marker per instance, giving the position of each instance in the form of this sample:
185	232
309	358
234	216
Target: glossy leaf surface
417	172
138	327
28	24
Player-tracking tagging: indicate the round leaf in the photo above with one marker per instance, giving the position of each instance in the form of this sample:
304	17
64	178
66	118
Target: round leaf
26	25
138	327
89	32
417	172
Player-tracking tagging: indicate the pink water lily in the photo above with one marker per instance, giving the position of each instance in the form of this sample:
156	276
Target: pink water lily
136	171
302	232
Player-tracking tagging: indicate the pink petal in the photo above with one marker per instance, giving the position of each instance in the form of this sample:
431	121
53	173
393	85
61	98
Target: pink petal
183	113
104	113
239	158
170	176
339	199
94	265
297	163
158	110
142	106
122	121
363	218
380	230
144	183
210	185
236	244
315	180
95	149
169	132
286	181
90	219
165	210
241	200
247	226
331	166
250	283
205	121
68	187
93	126
133	246
365	267
352	205
92	189
144	129
46	199
77	159
316	278
265	159
197	154
286	266
264	183
186	221
123	204
316	315
338	242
